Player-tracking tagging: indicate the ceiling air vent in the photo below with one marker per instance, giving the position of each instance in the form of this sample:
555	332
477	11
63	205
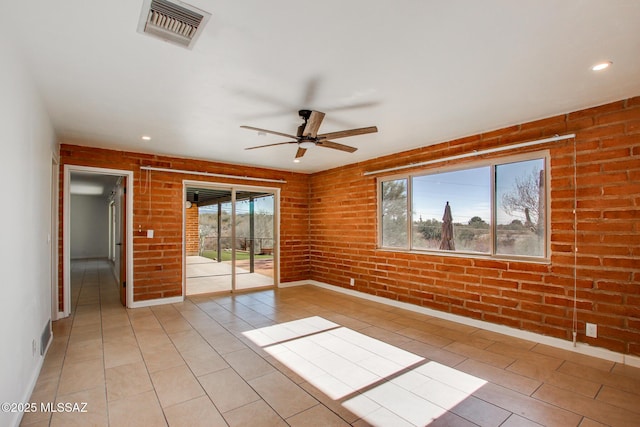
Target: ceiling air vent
174	22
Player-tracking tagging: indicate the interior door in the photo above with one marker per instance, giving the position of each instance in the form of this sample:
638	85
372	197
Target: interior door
123	242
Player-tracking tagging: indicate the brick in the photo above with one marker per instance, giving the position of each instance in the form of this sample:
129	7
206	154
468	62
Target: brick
329	230
159	260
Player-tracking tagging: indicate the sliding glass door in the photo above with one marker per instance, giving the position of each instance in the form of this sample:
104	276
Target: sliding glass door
230	238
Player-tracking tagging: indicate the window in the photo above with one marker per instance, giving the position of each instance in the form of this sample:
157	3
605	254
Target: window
394	213
520	208
493	209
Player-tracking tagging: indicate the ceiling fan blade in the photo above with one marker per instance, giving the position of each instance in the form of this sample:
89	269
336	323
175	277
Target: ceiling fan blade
269	131
270	145
313	124
311	91
300	152
350	132
336	146
355	106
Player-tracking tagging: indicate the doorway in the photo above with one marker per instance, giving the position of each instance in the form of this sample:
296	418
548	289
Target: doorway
230	238
96	221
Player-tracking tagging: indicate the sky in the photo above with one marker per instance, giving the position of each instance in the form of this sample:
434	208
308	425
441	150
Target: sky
467	191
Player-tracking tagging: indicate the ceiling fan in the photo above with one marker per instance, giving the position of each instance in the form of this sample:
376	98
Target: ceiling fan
307	135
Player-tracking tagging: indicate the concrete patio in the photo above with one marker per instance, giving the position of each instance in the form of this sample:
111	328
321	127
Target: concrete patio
205	275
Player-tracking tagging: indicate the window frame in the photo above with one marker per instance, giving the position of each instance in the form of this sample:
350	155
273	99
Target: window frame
492	163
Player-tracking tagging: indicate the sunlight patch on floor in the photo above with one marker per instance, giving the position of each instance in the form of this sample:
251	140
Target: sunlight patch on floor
380	383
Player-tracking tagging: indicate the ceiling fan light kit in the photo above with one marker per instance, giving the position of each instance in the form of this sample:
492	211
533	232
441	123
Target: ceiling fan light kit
306	144
307	134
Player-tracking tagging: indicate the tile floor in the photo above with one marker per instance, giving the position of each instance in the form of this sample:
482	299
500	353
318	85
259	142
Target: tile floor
306	356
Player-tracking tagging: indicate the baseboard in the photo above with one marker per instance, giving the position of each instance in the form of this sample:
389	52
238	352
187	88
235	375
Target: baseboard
157	301
292	284
580	348
31	386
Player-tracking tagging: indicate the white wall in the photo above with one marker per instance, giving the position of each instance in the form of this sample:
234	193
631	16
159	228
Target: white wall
27	142
89	229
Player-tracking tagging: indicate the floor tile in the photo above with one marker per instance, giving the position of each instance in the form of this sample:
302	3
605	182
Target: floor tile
334	406
626	371
452	420
121	353
545	374
480	355
248	364
83	375
175	385
161	357
581	359
587	422
319	415
249	414
626	383
198	412
518	421
127	380
619	398
532	409
502	377
204	361
228	390
84	350
83	408
282	394
142	410
480	412
593	409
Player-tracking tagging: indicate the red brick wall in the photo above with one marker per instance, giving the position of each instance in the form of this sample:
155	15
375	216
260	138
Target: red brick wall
157	262
529	296
330	235
192	233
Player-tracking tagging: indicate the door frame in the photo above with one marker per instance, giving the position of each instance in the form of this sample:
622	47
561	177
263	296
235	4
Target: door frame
66	238
54	235
233	188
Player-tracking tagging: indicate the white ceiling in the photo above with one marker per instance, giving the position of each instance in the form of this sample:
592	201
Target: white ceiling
423	71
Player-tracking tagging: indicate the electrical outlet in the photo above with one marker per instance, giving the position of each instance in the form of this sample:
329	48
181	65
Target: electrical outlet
592	330
34	347
352	282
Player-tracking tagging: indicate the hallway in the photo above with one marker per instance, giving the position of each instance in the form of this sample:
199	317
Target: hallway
308	356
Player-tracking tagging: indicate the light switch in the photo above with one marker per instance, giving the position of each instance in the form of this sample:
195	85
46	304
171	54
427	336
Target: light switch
149	234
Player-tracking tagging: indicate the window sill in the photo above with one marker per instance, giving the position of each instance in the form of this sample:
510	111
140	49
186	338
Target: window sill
471	255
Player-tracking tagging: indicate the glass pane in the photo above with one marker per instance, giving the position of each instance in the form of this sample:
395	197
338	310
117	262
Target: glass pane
207	223
520	212
254	239
394	214
468	195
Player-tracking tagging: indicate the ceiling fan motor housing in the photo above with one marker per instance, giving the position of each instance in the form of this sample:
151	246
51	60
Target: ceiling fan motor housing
305	114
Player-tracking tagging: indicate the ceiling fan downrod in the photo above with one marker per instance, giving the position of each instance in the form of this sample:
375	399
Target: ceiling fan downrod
304	114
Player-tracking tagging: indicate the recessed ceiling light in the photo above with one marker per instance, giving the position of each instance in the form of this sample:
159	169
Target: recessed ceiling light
296	160
146	138
601	66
